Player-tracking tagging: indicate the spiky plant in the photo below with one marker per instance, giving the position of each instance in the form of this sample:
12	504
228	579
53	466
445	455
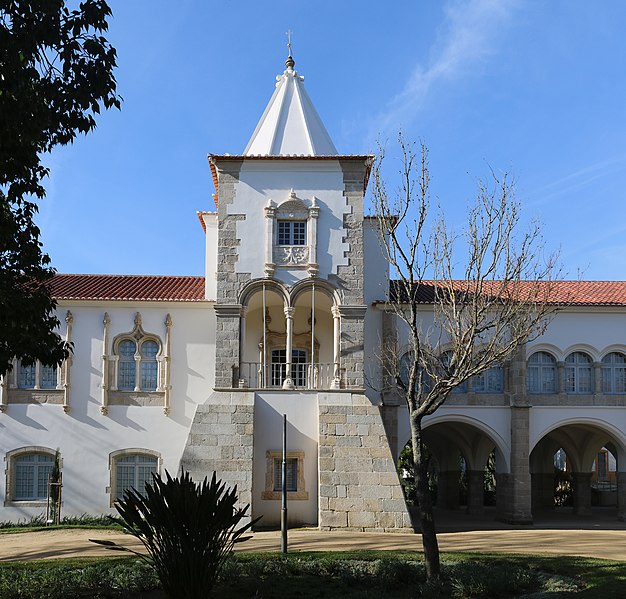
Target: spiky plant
189	530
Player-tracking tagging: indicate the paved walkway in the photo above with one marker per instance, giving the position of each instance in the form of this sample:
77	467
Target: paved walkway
601	536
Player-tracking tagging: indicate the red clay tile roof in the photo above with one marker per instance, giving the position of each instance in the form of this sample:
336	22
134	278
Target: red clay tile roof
572	293
128	287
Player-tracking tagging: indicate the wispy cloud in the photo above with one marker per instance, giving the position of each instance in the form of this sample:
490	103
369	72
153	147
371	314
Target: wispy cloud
565	186
468	36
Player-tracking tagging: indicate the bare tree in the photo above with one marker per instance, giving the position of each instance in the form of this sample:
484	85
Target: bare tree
489	288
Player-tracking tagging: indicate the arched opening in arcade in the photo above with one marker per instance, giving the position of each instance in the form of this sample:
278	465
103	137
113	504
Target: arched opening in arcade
574	470
464	464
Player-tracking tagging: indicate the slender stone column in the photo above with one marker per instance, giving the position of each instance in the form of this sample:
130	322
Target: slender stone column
621	496
288	382
336	382
475	492
582	493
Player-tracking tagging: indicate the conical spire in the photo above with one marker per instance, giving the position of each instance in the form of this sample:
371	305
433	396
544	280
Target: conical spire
290	124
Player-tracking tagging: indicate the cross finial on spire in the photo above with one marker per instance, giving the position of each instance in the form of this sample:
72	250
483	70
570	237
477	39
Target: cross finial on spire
290	62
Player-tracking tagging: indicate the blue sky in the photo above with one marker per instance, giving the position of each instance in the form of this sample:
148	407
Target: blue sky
535	88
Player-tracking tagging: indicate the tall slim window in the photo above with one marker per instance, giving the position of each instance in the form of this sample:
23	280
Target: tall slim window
26	376
126	377
31	471
134	471
291	232
149	367
48	377
614	373
541	373
578	373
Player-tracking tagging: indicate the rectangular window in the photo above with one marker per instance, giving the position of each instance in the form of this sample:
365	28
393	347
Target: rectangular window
291	232
292	474
133	471
298	367
31	476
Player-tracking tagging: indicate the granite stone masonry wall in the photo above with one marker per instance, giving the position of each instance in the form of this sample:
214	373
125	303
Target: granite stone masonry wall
221	440
229	282
359	488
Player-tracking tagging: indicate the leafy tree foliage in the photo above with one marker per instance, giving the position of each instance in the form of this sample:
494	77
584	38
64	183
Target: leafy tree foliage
56	72
189	530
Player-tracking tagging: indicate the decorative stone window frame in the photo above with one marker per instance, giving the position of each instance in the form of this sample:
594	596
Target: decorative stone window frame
301	493
114	456
11	393
9	471
111	395
291	256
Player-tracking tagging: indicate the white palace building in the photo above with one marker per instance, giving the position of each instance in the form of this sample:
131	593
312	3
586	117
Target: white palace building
173	372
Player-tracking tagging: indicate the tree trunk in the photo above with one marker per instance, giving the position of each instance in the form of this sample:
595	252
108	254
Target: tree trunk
425	503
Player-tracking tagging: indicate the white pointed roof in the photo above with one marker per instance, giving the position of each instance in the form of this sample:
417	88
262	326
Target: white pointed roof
290	124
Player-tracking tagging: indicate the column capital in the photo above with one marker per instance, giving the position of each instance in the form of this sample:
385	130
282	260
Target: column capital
335	311
289	311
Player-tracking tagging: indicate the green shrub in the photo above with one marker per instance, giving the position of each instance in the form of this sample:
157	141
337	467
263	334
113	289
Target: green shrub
188	529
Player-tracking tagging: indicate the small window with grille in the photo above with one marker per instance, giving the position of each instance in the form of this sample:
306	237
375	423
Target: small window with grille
291	232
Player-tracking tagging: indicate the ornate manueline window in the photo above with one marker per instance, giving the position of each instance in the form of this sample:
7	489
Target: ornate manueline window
137	372
579	373
541	373
36	376
291	232
291	235
131	468
614	373
132	354
36	383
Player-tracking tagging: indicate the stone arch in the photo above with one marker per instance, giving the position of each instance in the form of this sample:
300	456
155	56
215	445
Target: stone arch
556	352
320	285
584	348
615	348
251	288
581	438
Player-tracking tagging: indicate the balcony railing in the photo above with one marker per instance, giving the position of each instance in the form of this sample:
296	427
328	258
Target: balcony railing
303	376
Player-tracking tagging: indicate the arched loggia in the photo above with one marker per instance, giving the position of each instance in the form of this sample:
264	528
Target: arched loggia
290	338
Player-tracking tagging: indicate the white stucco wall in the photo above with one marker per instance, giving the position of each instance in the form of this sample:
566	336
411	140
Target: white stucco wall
302	435
85	437
259	182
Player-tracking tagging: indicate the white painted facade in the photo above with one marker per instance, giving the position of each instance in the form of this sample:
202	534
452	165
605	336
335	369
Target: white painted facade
222	389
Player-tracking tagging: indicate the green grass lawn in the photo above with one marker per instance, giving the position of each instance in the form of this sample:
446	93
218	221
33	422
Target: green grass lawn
363	574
